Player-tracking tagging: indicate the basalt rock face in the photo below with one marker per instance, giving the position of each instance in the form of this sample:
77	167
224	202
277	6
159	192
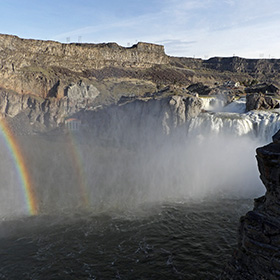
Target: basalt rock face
46	68
46	113
264	88
258	253
59	80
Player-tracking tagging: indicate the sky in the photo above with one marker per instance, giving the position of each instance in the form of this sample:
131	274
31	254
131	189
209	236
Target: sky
189	28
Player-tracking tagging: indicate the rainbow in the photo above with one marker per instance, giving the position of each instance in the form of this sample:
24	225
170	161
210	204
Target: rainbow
21	167
78	165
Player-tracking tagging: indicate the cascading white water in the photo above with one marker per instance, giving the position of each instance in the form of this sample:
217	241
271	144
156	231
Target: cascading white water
220	149
237	106
232	119
213	103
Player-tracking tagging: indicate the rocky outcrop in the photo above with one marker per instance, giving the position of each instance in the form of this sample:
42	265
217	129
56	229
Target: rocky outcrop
258	101
60	79
258	254
199	88
47	113
264	88
49	69
160	115
80	93
77	57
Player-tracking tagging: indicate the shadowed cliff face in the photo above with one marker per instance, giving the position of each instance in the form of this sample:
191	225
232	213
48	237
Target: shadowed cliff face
258	253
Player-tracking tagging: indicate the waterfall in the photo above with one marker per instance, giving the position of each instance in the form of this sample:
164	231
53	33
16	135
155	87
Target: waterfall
232	120
213	103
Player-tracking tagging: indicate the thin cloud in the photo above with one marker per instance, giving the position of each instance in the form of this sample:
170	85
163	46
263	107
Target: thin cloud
200	28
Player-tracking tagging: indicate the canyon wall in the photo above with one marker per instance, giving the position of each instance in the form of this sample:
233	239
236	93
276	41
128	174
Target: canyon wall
46	68
132	119
49	81
258	254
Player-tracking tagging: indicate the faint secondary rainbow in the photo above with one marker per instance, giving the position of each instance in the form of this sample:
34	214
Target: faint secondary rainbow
78	165
21	167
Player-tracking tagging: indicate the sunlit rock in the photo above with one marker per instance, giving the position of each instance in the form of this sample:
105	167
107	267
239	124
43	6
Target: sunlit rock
81	93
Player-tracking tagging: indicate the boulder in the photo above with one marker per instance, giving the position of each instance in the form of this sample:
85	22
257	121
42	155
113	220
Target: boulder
258	101
199	88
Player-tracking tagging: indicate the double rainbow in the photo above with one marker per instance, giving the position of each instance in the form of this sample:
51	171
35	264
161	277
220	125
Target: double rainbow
21	167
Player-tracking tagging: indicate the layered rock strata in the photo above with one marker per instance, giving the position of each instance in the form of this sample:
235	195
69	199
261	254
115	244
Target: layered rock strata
46	68
258	254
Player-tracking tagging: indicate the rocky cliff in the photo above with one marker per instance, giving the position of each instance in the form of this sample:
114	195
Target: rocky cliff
49	81
46	113
46	68
133	116
258	254
258	68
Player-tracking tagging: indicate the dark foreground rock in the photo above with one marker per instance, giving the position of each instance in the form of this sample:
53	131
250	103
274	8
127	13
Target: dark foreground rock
258	254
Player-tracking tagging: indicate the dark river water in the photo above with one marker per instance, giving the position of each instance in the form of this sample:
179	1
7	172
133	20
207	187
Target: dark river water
187	240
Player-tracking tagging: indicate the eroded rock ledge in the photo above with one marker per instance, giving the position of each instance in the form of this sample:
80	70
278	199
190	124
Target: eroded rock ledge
258	254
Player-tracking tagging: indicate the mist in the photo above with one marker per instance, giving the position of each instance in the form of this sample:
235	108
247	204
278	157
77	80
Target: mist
77	171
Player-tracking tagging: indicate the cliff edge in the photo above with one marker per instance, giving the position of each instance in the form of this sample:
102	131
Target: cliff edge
258	254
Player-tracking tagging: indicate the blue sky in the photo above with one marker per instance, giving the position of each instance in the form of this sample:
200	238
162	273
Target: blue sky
200	28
